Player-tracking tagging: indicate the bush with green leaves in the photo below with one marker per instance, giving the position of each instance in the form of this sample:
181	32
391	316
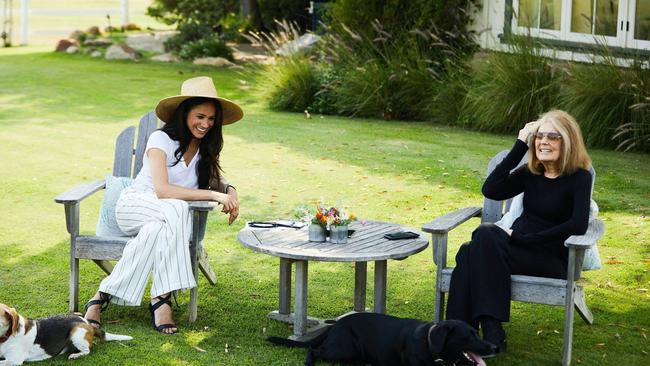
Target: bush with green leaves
205	47
610	103
187	33
386	76
289	85
204	12
509	89
452	18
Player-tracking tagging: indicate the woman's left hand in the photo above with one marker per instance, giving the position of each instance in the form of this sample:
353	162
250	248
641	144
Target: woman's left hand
233	212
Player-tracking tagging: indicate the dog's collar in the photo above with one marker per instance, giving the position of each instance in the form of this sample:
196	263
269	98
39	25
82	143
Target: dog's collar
438	361
4	338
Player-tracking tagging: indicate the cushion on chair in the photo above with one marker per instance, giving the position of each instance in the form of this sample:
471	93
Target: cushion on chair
107	223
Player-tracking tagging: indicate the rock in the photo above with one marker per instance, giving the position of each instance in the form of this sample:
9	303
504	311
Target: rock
145	42
236	67
151	42
121	52
94	30
96	54
213	61
242	57
72	49
64	44
165	57
99	42
77	35
131	27
301	44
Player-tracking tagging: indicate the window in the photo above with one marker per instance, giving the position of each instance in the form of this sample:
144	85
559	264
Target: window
622	23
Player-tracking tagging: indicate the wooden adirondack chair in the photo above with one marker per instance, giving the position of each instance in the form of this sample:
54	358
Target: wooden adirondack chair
539	290
103	249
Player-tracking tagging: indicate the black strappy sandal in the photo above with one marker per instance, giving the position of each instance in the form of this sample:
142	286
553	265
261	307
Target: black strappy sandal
103	301
152	309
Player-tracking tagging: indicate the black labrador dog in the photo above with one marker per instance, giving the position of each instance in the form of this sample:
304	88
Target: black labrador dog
384	340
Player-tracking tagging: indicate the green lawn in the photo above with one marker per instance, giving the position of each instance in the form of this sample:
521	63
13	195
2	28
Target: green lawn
59	115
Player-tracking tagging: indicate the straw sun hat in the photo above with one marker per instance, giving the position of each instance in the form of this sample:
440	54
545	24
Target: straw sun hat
201	86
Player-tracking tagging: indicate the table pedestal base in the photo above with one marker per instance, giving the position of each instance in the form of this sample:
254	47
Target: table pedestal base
305	327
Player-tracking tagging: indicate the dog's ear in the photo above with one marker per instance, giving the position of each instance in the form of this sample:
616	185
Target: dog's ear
12	316
437	337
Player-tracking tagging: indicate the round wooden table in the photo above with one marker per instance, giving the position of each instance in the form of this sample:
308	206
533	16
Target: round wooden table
293	246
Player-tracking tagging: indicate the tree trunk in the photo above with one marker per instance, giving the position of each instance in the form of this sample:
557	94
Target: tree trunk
251	10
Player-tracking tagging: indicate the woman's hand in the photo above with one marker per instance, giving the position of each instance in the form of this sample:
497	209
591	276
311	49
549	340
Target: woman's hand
228	201
235	211
528	130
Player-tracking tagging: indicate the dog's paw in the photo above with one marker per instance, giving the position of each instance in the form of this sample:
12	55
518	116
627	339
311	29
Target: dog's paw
74	356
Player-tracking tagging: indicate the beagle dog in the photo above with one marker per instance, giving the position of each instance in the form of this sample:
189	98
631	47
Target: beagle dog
23	339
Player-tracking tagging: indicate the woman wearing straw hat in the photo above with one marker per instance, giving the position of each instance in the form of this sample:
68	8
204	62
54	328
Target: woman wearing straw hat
181	163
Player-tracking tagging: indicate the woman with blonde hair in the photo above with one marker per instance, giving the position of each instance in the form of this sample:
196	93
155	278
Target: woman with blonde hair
557	191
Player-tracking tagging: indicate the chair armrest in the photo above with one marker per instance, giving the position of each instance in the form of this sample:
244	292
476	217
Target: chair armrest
78	193
445	223
201	205
594	232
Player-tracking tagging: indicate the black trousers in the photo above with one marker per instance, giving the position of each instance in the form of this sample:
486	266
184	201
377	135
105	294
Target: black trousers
480	283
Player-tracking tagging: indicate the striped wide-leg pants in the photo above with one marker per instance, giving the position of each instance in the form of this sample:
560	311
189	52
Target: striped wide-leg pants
161	247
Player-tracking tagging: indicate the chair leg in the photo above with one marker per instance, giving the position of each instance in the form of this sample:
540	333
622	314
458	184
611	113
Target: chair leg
73	301
581	306
194	249
439	306
568	309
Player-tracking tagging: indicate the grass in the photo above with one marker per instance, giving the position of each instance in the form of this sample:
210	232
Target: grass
59	117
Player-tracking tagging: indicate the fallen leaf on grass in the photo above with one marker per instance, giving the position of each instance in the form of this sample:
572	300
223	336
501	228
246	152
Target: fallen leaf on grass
199	349
644	352
540	332
556	331
614	261
642	289
617	336
600	345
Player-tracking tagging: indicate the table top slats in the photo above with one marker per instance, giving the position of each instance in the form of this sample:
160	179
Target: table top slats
366	244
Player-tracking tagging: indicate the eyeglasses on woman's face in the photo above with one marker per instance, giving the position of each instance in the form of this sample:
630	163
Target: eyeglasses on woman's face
551	136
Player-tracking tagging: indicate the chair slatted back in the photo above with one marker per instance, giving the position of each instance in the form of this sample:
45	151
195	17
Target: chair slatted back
124	164
124	153
493	210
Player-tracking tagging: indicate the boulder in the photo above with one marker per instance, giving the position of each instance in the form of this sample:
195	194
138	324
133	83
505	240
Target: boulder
94	30
96	54
72	49
151	42
121	52
77	35
165	57
64	44
98	42
301	44
213	61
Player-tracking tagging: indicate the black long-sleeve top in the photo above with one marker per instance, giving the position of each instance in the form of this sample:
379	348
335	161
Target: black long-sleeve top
554	208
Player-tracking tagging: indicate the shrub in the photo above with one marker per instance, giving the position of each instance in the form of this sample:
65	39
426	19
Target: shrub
391	77
290	84
205	47
204	12
451	17
608	101
510	89
188	32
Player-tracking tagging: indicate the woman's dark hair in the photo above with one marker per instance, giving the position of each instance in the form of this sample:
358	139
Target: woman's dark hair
210	145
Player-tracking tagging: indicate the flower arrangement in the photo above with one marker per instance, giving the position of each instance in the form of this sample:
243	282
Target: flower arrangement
324	216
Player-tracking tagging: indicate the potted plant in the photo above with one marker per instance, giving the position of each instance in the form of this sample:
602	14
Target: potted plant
338	221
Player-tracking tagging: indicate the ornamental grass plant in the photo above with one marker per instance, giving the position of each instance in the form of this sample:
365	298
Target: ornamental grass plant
510	88
610	101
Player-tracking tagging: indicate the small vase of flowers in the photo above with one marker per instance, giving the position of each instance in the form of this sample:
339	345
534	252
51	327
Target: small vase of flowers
334	220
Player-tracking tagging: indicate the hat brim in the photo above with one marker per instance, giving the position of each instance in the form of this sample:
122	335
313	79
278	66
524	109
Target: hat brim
231	112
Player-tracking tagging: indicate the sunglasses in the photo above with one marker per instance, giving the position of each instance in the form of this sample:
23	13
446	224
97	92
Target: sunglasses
552	136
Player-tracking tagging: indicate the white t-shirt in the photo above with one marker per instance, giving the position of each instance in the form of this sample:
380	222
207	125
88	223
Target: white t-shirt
180	174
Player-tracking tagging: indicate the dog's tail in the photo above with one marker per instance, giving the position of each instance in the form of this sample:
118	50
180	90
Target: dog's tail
108	337
291	343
